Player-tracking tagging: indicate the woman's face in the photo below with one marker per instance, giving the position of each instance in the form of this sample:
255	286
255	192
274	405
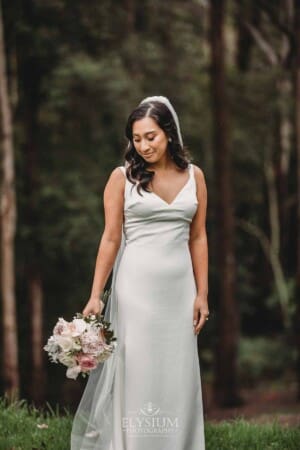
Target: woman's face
149	140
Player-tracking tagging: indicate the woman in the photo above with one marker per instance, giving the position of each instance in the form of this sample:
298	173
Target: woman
147	395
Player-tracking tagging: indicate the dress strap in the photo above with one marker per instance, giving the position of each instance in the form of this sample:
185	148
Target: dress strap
122	169
192	176
192	172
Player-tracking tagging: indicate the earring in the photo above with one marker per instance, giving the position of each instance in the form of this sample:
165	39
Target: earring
170	139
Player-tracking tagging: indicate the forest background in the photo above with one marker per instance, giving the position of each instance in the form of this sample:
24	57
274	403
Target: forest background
70	73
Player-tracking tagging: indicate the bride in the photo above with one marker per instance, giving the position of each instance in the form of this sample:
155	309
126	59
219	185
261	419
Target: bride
147	395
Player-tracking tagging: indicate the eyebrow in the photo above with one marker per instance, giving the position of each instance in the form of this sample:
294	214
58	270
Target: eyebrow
148	132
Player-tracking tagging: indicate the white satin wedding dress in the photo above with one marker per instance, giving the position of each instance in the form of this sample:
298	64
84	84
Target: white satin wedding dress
148	396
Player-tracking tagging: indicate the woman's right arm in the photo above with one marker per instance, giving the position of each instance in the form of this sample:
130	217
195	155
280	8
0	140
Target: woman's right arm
113	199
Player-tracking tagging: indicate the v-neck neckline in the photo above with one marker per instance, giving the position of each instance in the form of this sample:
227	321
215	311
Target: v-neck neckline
178	193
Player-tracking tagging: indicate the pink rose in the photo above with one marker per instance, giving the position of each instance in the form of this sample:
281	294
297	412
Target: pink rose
86	362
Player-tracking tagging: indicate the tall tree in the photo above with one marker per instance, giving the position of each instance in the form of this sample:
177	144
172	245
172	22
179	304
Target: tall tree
225	384
245	40
31	71
297	132
277	55
8	226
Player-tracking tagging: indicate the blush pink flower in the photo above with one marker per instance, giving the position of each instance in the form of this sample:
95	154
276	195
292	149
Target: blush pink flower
60	327
86	362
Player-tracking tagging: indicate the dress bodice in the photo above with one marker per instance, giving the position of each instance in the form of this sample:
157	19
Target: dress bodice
148	217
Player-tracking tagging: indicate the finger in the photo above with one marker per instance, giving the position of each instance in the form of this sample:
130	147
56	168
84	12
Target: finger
201	323
196	316
196	325
86	312
102	304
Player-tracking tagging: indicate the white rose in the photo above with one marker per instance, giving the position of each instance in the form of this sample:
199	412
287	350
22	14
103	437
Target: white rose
67	360
65	342
51	345
80	327
60	327
73	372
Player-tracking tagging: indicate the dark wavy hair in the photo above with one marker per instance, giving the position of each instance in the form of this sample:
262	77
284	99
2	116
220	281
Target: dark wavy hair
137	169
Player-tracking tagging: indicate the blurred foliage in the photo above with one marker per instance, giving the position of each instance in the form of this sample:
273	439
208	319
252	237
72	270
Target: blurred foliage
263	358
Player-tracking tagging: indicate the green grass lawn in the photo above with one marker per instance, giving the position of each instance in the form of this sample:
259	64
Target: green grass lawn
23	427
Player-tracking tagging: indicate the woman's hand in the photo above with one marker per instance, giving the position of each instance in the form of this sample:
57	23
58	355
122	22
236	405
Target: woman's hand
201	312
93	306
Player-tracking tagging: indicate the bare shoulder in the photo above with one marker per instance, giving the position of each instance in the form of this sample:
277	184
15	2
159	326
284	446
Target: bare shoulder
199	175
116	181
117	176
200	185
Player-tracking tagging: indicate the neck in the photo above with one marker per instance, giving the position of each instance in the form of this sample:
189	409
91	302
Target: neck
164	163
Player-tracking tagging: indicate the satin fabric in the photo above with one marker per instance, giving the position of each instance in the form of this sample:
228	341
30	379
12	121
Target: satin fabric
148	395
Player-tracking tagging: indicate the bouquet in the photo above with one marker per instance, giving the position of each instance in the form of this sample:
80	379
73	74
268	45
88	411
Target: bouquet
81	344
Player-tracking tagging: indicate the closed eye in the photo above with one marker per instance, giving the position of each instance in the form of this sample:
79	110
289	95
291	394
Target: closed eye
149	139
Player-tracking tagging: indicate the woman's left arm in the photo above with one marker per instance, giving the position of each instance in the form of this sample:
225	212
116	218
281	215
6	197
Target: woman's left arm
199	252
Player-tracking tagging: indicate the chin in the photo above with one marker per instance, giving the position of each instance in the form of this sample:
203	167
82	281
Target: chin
150	158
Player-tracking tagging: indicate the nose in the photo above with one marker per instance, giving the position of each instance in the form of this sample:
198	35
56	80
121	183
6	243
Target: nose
144	145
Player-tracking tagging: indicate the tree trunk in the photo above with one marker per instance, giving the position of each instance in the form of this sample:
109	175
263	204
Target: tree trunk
38	375
245	41
31	72
285	127
36	385
225	384
8	227
297	135
130	7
